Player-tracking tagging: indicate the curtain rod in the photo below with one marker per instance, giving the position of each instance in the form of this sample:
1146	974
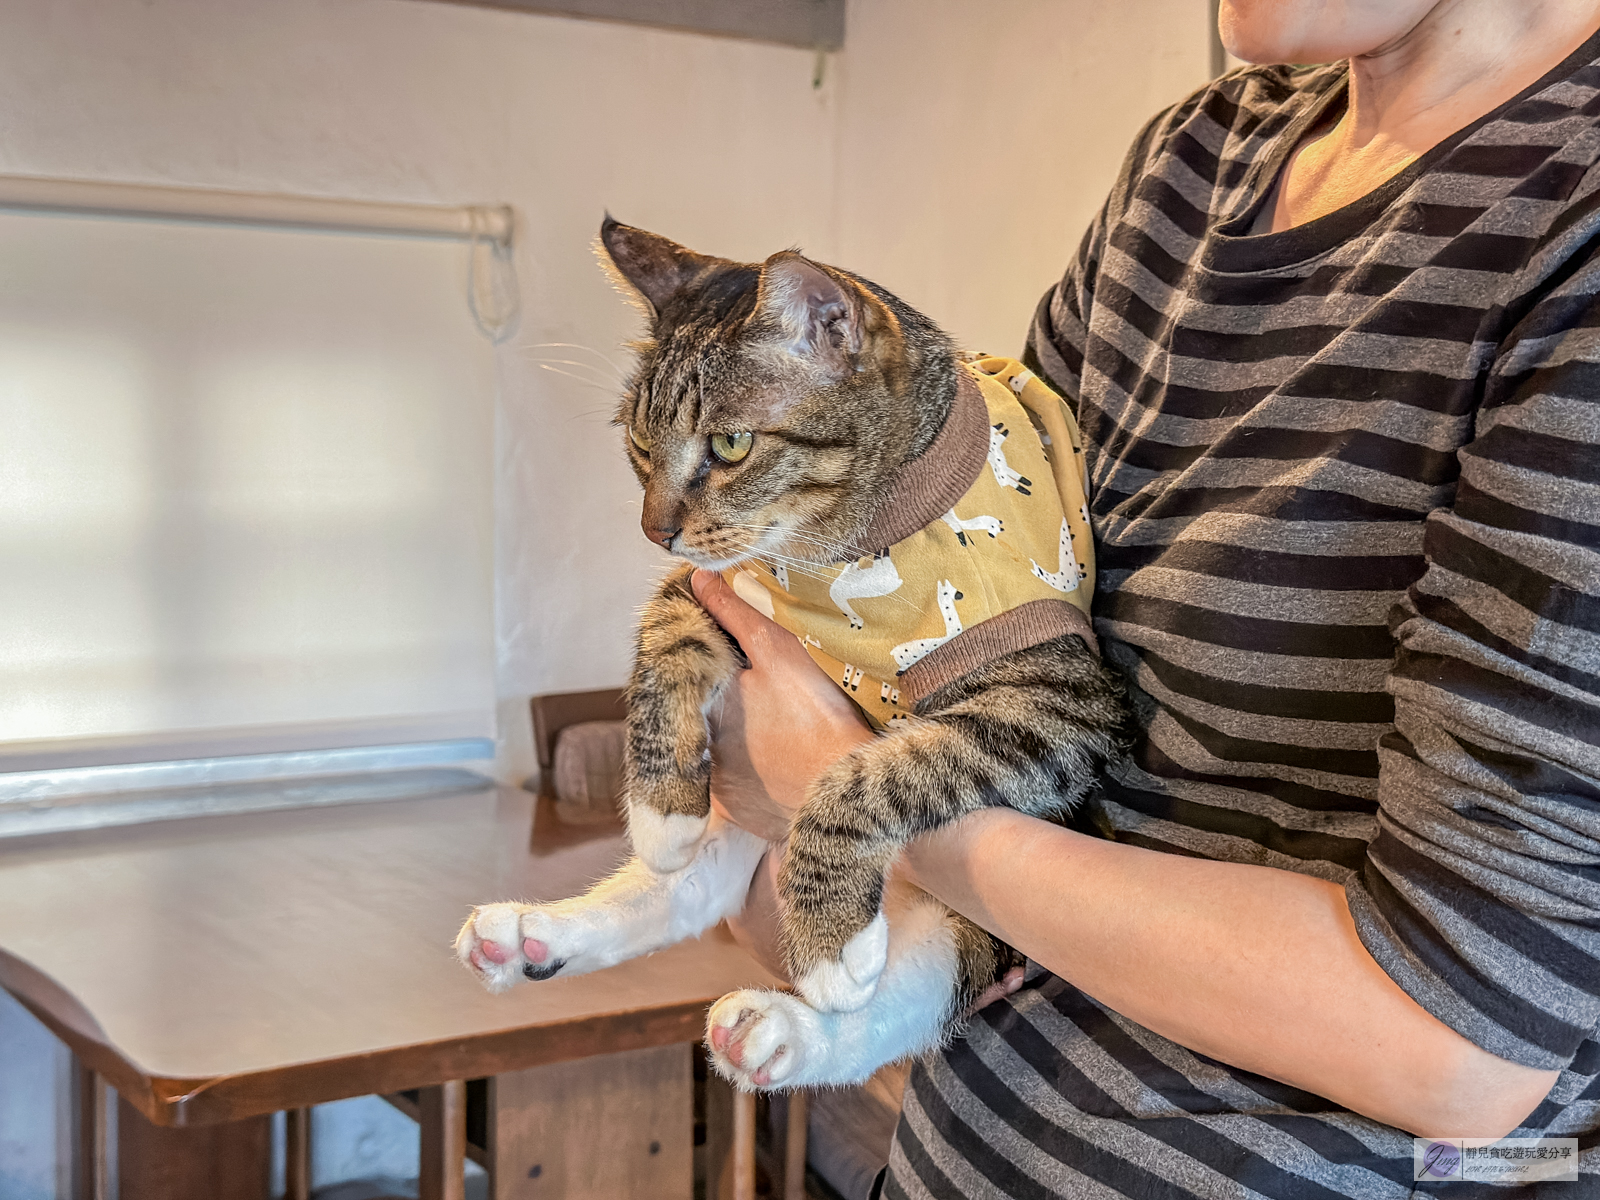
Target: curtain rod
494	223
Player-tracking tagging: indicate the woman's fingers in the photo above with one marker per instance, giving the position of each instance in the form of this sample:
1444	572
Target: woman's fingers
1006	985
779	725
770	646
763	640
728	610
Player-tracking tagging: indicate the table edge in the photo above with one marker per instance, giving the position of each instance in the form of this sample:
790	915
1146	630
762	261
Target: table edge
171	1101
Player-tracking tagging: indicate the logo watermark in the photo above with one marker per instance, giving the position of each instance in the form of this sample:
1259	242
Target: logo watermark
1509	1160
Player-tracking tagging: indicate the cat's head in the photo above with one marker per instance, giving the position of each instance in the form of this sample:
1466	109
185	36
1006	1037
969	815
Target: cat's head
772	402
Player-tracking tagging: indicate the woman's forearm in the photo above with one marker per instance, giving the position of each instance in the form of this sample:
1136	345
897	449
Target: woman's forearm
1257	967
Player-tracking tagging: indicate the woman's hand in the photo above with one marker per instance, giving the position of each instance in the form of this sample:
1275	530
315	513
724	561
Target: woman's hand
780	725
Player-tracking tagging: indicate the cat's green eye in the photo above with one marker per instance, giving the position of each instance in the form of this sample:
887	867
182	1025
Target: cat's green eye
731	447
639	439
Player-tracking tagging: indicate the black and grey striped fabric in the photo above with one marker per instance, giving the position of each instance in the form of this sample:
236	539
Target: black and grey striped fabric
1346	491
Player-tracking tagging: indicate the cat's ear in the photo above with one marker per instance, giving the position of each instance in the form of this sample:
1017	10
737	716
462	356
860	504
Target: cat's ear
651	267
819	317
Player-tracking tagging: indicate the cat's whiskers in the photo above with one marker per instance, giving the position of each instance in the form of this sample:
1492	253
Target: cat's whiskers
834	555
607	362
838	550
594	383
755	550
804	565
828	573
573	362
799	567
823	573
795	565
766	547
716	545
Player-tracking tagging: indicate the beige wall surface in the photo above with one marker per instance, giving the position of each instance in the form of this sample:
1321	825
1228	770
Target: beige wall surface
954	151
977	141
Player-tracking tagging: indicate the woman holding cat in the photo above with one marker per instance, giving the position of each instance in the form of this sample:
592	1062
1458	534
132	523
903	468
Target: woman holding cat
1333	347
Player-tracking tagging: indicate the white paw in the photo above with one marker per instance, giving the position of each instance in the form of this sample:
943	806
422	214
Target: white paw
493	931
762	1040
665	843
846	983
567	940
503	944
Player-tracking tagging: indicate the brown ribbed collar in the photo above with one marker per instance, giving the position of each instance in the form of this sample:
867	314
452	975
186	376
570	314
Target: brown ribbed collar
929	485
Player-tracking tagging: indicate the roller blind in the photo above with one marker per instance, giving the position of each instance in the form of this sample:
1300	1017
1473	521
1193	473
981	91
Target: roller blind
245	492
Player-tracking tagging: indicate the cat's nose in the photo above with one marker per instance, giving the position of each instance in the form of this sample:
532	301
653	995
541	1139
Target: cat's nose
662	537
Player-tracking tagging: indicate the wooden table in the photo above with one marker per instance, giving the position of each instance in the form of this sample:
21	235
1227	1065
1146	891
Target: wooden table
220	968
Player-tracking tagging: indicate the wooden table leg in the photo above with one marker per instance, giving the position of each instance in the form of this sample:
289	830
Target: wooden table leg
89	1175
794	1150
611	1127
744	1146
229	1160
719	1137
297	1155
444	1141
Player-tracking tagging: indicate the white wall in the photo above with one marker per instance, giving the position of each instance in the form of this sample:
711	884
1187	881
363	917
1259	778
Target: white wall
405	100
954	152
977	141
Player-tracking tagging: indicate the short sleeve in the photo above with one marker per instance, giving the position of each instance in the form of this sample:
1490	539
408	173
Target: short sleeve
1480	895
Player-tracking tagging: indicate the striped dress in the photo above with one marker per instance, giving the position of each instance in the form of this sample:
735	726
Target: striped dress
1346	495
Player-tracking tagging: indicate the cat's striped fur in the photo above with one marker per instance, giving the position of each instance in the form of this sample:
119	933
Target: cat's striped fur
843	384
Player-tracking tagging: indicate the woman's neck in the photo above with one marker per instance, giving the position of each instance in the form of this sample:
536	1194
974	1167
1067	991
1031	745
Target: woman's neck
1463	59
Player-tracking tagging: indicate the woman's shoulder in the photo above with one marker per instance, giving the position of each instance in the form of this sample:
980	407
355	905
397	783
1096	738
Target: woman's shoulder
1214	134
1243	107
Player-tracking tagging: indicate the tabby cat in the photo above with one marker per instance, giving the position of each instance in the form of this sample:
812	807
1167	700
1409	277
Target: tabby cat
799	427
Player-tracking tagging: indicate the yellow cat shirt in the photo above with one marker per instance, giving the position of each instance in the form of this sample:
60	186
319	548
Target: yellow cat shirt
981	548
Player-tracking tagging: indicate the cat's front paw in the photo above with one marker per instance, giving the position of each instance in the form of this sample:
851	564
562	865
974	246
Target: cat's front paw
761	1040
504	944
845	982
490	945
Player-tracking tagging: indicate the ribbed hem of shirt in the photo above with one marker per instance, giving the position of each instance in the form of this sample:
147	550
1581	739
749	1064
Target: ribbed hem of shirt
929	485
1016	629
